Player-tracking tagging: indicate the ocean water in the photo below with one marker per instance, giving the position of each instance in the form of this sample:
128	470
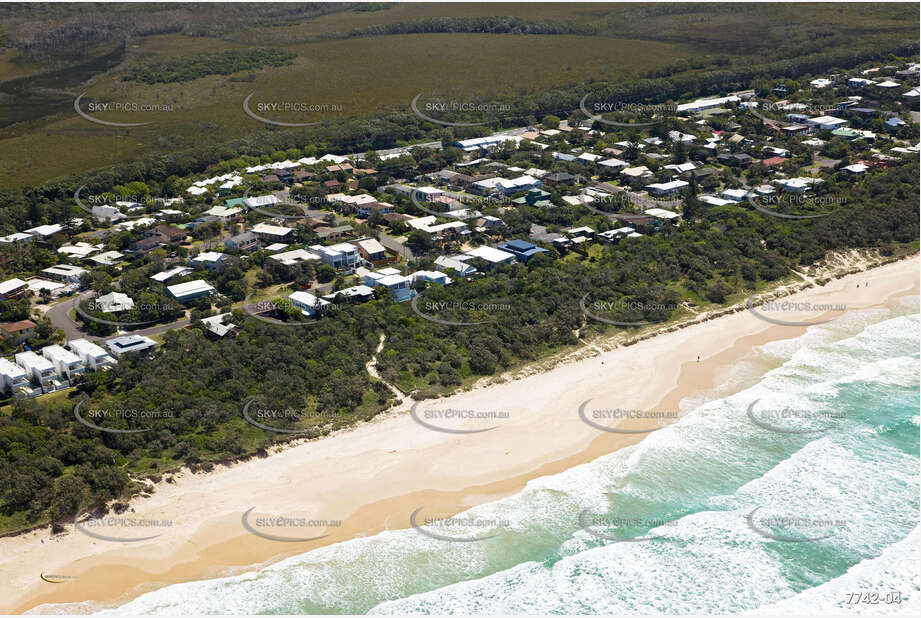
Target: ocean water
715	513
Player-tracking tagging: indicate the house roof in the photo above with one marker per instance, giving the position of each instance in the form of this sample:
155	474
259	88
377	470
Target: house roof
10	285
15	327
190	287
490	254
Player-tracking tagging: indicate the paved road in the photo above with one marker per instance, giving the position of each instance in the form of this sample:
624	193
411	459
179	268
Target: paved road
60	317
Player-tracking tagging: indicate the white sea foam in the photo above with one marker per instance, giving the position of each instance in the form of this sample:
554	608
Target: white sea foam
704	473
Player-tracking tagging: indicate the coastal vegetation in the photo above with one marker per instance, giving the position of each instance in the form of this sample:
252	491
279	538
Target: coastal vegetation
194	389
210	63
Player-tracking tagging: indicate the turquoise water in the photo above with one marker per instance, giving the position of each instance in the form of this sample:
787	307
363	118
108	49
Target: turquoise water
855	482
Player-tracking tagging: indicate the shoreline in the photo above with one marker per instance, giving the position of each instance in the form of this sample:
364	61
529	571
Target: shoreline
392	466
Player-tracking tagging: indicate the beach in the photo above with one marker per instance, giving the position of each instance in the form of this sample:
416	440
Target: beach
373	478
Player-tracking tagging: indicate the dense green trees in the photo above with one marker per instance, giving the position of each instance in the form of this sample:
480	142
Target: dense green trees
210	63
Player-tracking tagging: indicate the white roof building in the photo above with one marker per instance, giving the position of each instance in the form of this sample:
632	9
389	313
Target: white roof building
91	354
223	211
736	195
65	362
798	185
113	302
16	237
79	249
462	268
826	122
260	201
613	163
295	256
130	344
661	213
492	255
178	271
703	104
636	172
44	231
190	290
215	324
106	259
209	258
714	201
275	231
667	187
11	285
307	303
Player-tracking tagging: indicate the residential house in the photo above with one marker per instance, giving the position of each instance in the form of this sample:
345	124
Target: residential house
641	223
356	293
41	371
367	209
45	231
79	250
212	260
13	288
272	233
371	250
93	356
66	363
857	169
191	290
178	271
16	237
460	267
390	278
295	256
431	276
325	232
342	256
797	185
660	216
557	179
636	172
17	332
426	194
244	241
260	201
735	195
794	129
739	159
613	236
521	249
825	123
14	380
663	189
218	325
223	213
492	256
113	302
130	344
309	304
109	258
167	234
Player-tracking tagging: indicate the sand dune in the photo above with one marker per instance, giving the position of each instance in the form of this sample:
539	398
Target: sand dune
373	477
